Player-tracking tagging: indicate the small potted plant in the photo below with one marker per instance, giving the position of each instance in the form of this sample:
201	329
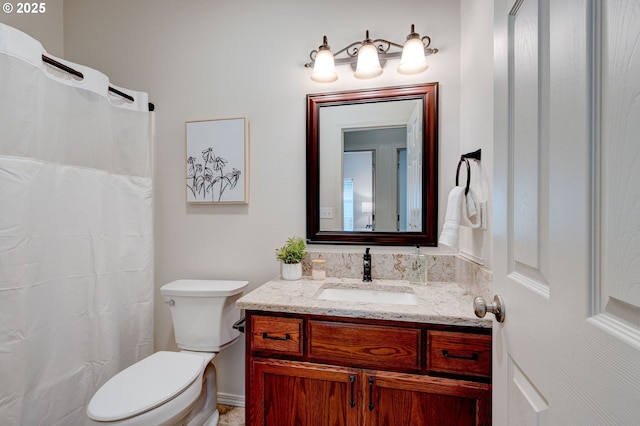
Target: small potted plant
291	255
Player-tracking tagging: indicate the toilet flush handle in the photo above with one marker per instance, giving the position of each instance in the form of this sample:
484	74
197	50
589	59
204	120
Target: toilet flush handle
170	302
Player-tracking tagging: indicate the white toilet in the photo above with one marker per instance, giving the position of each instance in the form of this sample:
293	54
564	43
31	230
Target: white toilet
176	388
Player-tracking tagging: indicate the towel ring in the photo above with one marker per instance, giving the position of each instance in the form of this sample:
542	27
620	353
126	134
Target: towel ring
466	190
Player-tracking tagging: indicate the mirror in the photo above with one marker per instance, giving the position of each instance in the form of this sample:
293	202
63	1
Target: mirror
372	166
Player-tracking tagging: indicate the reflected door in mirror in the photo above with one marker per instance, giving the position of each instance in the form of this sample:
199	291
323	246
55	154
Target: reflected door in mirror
358	192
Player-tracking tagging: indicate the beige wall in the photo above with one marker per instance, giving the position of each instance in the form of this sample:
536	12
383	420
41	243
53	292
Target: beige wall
45	27
224	59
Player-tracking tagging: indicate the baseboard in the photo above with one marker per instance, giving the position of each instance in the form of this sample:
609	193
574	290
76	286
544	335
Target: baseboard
230	399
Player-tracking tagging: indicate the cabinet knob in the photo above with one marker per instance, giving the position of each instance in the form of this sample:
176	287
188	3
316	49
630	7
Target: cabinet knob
481	308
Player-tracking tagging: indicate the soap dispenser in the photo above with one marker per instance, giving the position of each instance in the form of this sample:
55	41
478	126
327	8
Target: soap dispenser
418	267
366	266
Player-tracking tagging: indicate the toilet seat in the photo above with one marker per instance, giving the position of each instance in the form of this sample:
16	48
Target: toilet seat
145	385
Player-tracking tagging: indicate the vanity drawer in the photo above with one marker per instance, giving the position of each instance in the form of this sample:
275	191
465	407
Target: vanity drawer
361	345
459	353
276	334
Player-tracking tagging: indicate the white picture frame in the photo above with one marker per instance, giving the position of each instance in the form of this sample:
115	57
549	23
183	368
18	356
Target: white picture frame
217	160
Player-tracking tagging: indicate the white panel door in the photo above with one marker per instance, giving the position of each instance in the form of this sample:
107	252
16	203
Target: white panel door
414	171
567	212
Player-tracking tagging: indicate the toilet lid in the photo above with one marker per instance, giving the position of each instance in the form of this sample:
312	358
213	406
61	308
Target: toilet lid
145	385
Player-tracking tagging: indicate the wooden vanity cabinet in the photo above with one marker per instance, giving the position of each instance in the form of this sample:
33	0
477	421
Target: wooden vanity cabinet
307	370
301	393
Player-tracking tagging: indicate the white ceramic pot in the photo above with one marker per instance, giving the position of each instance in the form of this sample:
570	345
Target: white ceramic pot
292	271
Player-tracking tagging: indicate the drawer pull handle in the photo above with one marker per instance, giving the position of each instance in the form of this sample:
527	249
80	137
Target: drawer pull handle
370	393
352	379
473	357
265	335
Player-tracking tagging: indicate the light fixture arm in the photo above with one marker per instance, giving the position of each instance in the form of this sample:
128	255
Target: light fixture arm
383	47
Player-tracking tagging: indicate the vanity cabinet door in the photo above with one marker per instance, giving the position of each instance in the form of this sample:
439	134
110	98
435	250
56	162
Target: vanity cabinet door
291	393
396	399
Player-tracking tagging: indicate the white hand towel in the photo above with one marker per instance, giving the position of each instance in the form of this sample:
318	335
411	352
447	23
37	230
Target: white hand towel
461	211
470	215
449	234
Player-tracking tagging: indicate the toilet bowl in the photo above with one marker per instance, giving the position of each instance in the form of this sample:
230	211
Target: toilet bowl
176	388
158	390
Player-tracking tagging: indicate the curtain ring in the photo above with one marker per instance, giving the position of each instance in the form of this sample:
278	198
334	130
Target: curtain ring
466	190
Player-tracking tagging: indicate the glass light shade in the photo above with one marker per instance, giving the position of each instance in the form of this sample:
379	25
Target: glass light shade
413	60
368	62
324	68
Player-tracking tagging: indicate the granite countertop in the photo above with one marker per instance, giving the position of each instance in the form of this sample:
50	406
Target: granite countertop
437	302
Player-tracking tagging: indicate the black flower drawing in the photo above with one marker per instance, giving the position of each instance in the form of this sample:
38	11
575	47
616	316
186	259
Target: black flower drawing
208	181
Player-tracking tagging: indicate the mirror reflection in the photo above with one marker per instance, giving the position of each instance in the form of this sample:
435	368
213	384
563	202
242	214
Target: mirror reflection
374	189
372	166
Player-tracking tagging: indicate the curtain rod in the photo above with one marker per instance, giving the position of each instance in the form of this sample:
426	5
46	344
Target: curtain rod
78	74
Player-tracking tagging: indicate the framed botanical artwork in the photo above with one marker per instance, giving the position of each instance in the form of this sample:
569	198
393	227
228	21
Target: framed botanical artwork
217	153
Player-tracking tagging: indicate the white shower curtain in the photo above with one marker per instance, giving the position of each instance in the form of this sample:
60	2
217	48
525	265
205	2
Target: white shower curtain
76	241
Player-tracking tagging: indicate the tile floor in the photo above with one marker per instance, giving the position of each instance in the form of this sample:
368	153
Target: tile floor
230	415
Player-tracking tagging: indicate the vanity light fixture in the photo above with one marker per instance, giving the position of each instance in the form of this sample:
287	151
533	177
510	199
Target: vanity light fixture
367	57
324	68
368	65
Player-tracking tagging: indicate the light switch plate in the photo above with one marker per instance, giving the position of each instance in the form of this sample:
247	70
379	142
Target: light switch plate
326	212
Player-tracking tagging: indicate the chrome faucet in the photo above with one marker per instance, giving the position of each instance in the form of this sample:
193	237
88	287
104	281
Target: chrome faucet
366	263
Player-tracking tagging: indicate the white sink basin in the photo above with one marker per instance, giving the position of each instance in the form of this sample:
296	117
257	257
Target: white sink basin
367	295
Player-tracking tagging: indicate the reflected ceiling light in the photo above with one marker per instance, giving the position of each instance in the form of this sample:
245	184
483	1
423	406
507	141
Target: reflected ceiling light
368	57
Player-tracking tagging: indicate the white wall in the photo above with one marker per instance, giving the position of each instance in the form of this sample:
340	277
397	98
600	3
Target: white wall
476	117
221	59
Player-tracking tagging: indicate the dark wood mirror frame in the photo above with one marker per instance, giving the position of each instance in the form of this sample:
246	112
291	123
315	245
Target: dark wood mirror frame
428	93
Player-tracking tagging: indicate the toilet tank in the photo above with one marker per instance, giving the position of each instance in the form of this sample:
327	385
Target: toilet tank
203	312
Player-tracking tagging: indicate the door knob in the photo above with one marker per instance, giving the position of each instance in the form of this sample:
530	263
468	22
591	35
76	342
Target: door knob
481	308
